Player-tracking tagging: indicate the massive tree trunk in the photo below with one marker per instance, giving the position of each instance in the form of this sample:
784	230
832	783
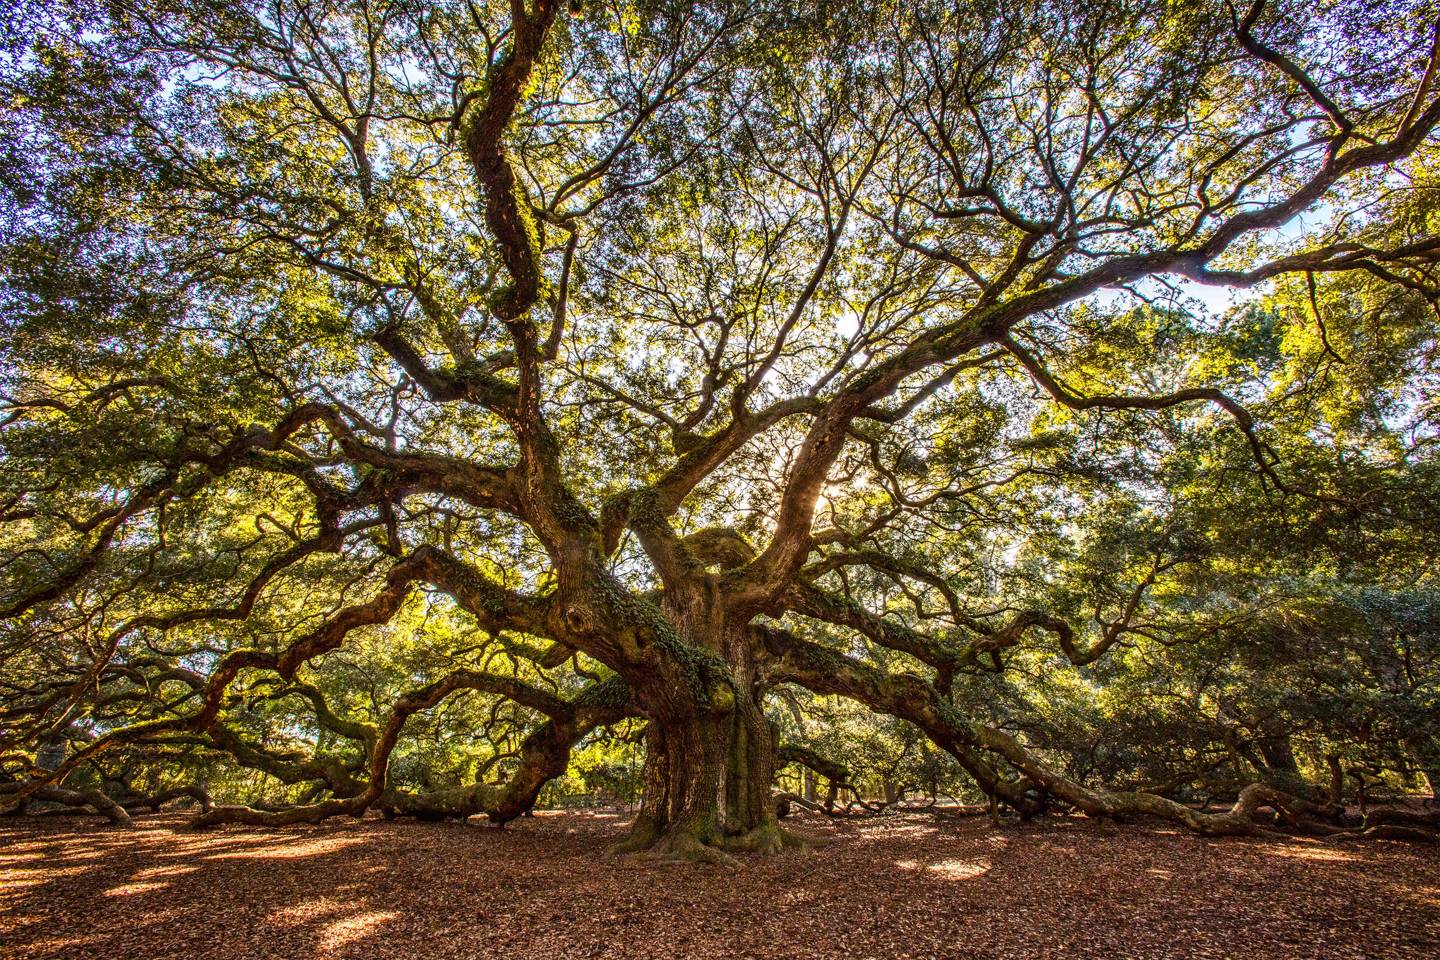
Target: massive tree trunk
710	755
1280	767
707	786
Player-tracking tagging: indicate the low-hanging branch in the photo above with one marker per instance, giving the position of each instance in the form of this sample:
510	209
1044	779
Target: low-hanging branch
543	751
909	698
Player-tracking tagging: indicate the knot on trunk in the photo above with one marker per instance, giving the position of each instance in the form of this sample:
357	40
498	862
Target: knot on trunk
577	619
721	547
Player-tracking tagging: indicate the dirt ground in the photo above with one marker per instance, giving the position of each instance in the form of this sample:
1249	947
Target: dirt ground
907	886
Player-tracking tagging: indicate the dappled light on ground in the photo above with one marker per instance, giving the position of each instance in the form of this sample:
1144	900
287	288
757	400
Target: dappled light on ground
290	851
959	869
890	887
949	869
1299	850
338	935
127	889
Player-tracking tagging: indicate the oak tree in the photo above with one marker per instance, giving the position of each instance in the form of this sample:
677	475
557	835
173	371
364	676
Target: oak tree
652	366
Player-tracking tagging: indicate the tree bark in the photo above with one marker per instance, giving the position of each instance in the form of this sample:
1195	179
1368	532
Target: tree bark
1337	780
710	759
707	786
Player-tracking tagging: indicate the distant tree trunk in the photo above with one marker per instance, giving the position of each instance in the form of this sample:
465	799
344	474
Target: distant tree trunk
1337	780
832	791
808	788
51	752
1280	768
1426	751
1362	798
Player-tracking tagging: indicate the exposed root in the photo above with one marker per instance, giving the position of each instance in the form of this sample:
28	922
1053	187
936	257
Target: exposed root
678	844
767	840
682	846
686	844
642	836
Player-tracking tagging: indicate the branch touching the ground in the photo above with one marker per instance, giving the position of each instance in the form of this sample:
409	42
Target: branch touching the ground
544	756
97	801
910	698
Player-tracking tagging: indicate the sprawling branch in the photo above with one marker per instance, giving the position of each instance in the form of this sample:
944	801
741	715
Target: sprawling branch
909	698
544	755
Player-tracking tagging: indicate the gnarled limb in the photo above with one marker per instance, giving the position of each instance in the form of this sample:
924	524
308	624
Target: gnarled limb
913	699
97	801
545	754
153	802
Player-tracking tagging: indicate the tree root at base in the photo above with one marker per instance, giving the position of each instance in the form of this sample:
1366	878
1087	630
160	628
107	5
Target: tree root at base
682	846
678	844
642	836
767	840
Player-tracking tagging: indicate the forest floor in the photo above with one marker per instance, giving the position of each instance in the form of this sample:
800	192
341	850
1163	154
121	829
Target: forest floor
904	886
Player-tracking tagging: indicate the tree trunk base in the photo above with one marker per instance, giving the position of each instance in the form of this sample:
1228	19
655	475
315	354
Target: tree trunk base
642	836
683	846
676	844
767	840
682	843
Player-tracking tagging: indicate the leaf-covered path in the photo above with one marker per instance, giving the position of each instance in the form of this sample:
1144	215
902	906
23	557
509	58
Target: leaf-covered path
912	886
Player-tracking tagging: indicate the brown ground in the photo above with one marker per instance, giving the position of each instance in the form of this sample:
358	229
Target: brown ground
911	886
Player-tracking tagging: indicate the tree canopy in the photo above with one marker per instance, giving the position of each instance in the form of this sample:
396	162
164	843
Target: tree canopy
1023	399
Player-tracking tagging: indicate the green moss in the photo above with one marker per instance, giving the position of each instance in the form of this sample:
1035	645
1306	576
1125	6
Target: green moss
644	503
531	229
571	513
706	674
611	692
480	593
